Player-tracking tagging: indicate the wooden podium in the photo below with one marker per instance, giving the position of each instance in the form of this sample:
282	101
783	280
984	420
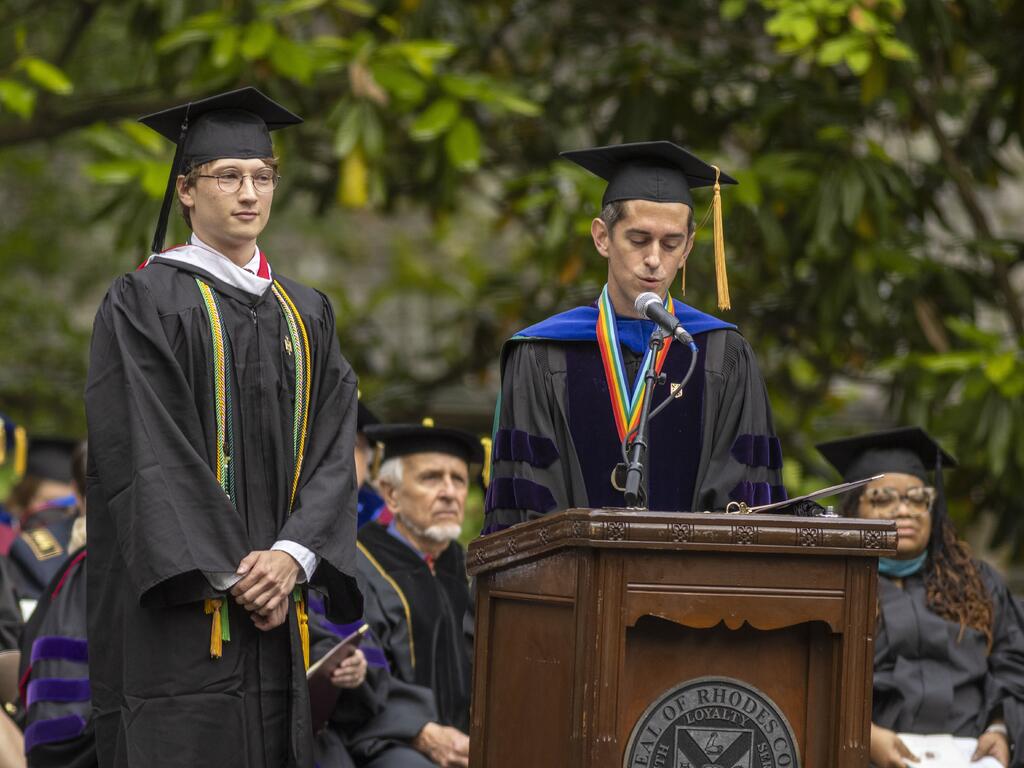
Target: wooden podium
720	634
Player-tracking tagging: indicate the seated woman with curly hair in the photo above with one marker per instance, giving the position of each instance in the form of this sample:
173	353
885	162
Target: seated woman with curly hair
949	638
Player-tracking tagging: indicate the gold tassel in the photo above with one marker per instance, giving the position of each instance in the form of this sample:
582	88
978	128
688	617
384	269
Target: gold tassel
303	617
212	607
486	471
3	442
683	286
20	452
721	277
378	458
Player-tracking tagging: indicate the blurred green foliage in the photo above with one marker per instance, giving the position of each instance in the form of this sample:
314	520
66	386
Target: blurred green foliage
874	246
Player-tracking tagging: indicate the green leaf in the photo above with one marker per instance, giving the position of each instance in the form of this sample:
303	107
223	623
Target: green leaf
225	44
462	144
730	10
514	103
397	80
434	120
952	362
154	178
258	38
349	129
998	368
423	55
17	97
859	61
357	7
895	49
47	76
144	136
114	171
835	50
468	87
278	10
180	38
292	60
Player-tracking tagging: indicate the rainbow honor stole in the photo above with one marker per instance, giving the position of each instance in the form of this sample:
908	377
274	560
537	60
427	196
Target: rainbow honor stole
625	400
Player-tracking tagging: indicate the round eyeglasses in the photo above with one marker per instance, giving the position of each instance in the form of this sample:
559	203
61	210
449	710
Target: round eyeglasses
231	181
887	499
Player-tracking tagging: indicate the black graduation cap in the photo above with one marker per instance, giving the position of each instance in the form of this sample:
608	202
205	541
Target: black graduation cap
235	124
13	446
405	439
909	450
50	458
662	172
365	418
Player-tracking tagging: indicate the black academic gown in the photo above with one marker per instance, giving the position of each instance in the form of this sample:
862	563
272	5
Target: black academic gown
158	519
417	617
55	674
556	444
10	613
928	681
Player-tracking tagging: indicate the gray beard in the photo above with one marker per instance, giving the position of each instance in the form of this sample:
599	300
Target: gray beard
441	533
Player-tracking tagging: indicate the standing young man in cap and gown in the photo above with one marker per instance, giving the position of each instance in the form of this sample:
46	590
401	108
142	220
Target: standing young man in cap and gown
221	435
949	638
413	574
571	386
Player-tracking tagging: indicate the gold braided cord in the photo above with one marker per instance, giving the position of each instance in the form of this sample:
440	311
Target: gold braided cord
401	596
302	381
219	373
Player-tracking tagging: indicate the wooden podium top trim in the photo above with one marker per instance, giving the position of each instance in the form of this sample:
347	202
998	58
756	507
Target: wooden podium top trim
685	531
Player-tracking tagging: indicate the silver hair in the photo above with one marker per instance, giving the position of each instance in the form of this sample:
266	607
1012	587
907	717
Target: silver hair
390	472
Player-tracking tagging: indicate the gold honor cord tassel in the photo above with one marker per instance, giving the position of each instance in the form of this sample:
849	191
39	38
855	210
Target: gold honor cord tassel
212	607
303	619
486	471
20	452
721	277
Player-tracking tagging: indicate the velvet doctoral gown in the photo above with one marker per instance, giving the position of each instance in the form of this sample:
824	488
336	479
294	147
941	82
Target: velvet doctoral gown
159	519
928	679
556	443
417	615
54	674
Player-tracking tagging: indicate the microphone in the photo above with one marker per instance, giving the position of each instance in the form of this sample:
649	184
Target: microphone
649	305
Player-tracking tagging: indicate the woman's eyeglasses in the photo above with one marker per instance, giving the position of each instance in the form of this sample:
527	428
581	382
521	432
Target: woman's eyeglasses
886	499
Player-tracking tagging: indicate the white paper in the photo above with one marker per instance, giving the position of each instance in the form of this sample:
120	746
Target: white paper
941	750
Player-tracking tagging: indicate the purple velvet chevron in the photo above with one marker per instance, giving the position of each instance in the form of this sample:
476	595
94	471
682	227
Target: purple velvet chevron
57	647
758	451
57	689
375	658
756	494
53	729
518	445
519	493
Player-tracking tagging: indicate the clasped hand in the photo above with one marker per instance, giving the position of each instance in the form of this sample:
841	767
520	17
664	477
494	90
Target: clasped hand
268	578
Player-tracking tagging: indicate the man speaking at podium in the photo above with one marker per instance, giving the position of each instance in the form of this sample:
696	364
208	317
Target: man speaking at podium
572	385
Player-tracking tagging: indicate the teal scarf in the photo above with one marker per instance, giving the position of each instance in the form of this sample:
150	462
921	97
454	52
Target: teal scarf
899	569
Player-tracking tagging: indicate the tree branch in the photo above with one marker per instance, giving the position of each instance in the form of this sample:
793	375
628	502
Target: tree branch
965	189
65	116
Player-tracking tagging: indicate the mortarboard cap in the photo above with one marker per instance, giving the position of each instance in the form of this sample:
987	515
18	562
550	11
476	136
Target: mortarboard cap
13	446
235	124
405	439
50	458
662	172
909	450
365	418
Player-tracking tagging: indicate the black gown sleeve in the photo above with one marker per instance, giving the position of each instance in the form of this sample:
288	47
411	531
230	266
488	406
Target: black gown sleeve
324	516
741	458
10	614
152	487
1005	688
536	469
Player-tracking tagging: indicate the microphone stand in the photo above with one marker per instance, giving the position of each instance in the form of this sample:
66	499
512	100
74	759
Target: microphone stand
636	487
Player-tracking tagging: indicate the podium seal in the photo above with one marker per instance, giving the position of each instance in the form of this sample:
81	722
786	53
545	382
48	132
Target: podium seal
712	722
